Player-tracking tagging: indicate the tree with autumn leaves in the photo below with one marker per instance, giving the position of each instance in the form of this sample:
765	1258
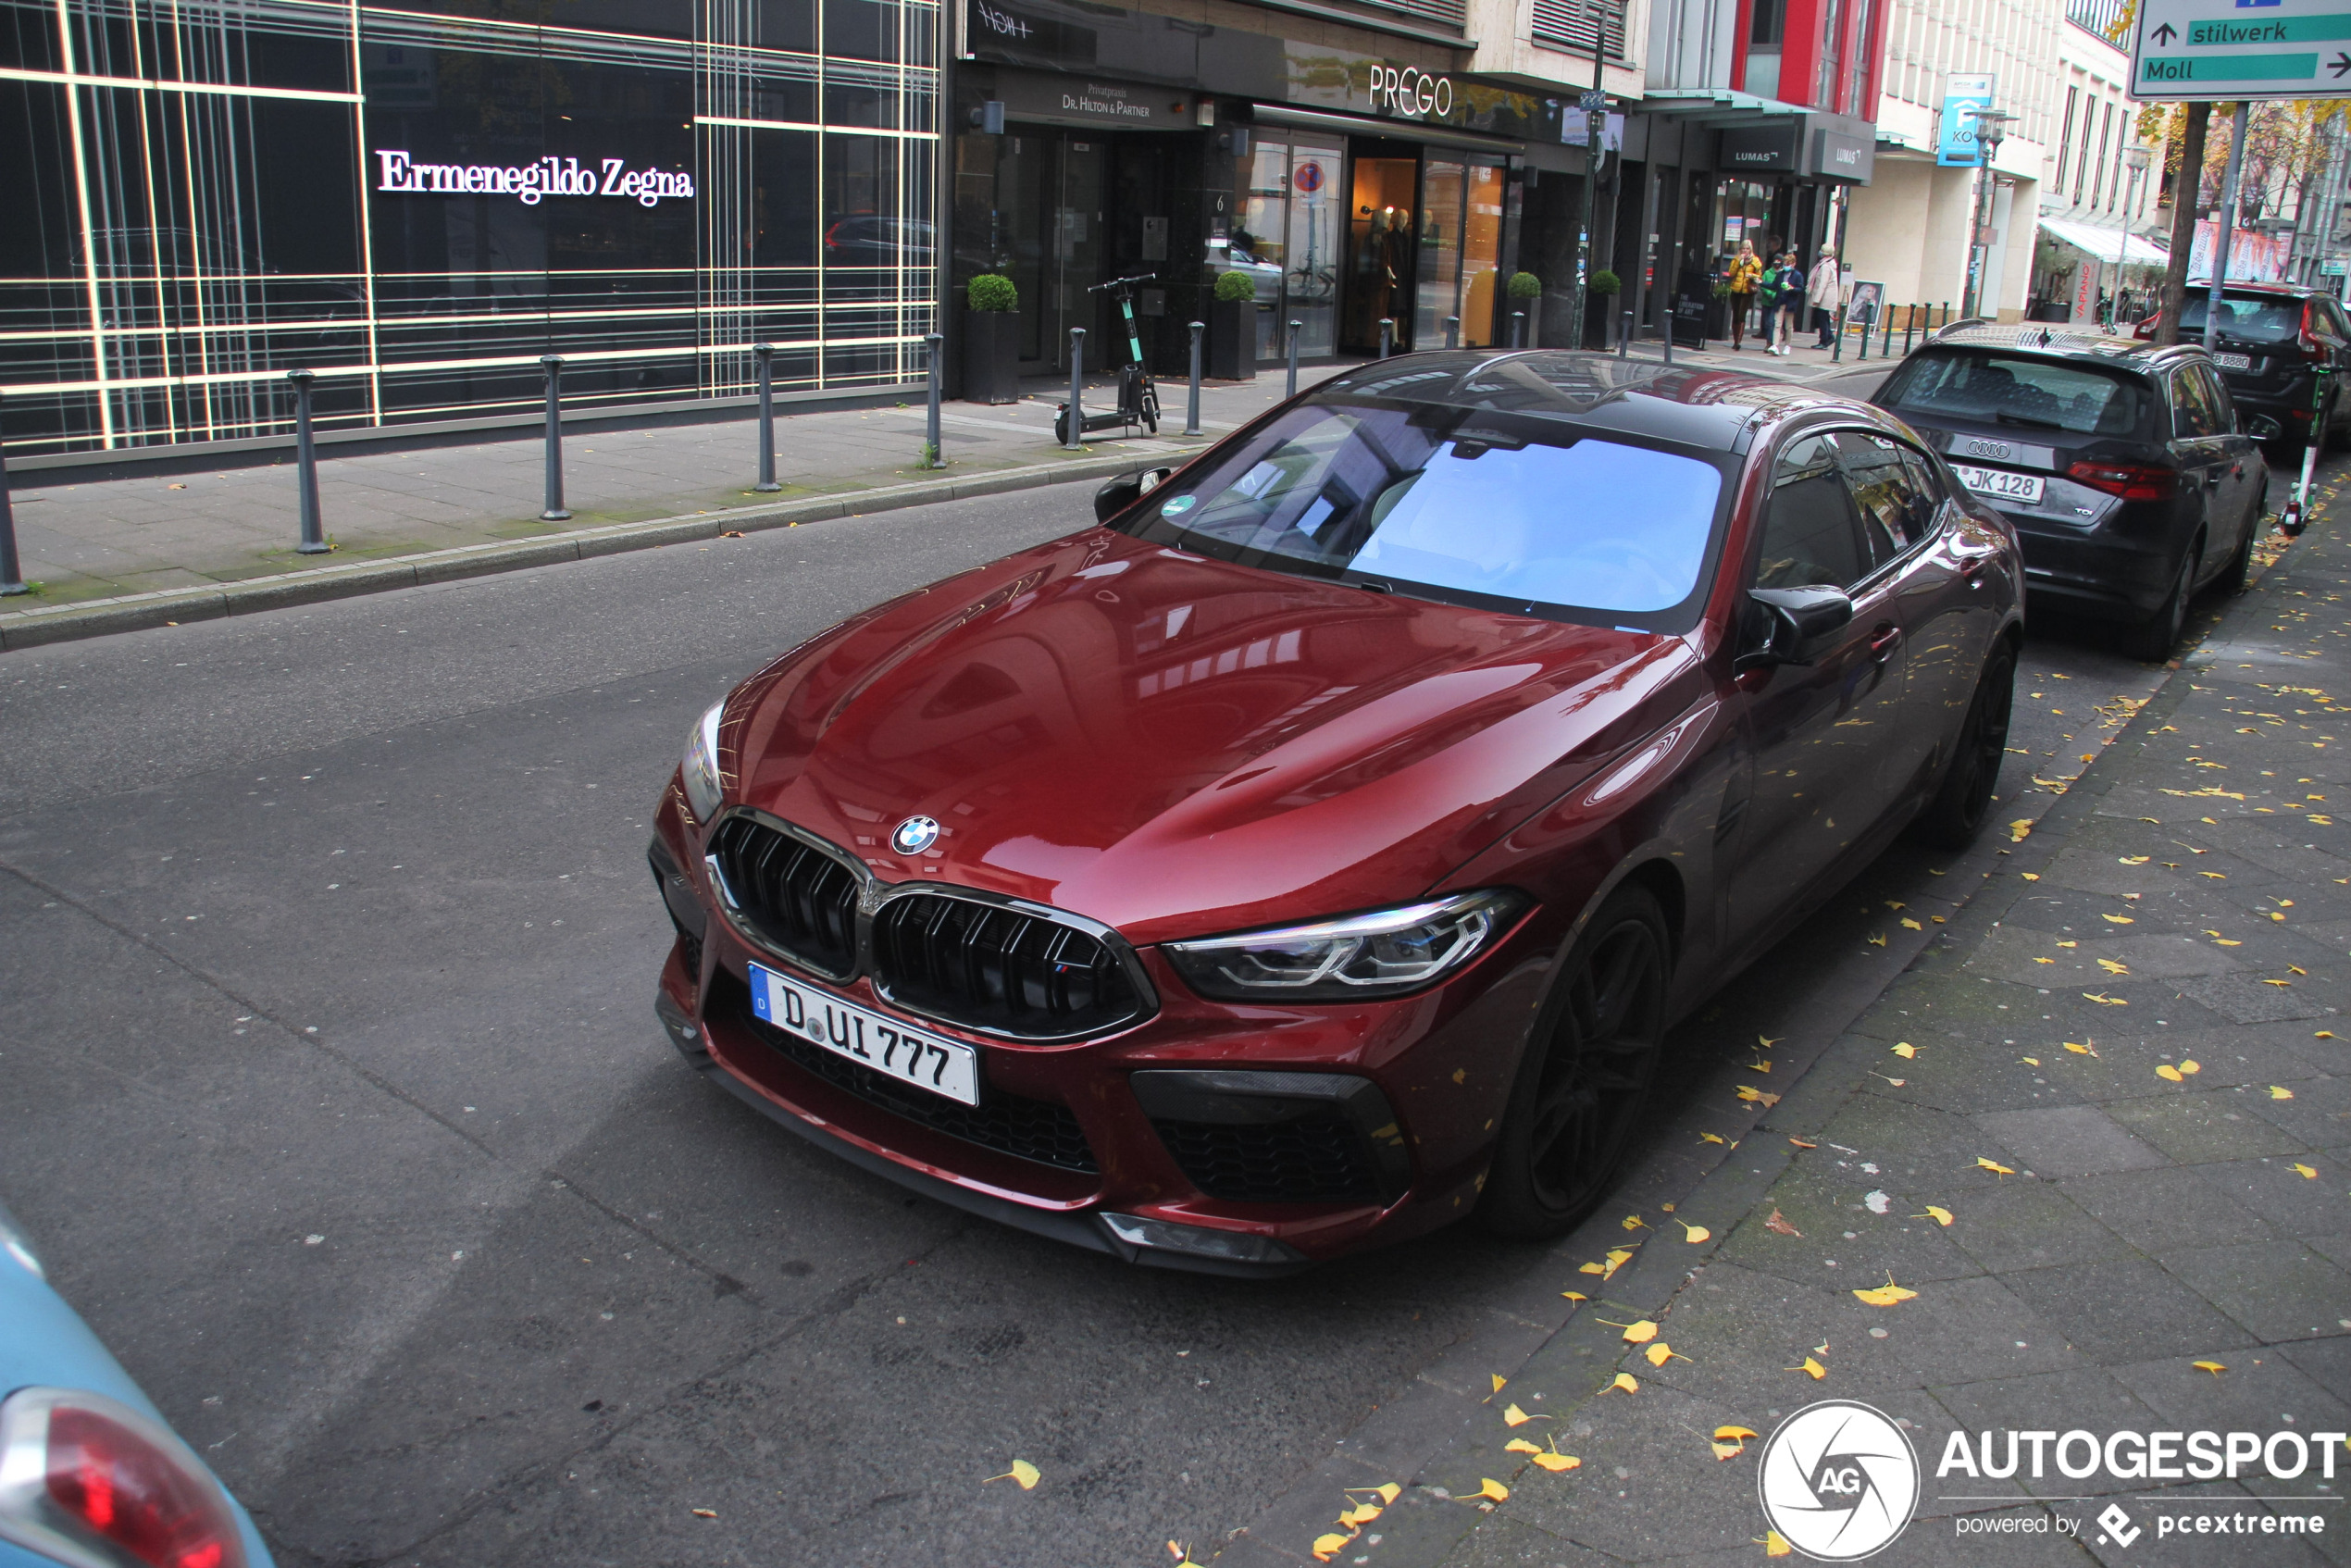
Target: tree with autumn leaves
2286	147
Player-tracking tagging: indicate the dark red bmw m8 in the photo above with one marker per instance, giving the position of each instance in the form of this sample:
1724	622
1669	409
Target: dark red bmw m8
1316	850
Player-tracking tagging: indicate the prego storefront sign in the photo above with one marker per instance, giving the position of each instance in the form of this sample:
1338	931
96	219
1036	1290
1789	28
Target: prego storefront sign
399	172
1409	90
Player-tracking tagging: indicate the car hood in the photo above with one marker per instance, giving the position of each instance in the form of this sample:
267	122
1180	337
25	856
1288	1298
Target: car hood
1175	745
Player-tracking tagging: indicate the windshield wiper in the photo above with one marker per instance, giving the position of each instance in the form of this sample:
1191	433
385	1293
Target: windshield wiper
1369	584
2005	417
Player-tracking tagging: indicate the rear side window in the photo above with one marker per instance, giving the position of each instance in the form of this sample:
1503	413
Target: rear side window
1810	539
1895	513
2193	413
1999	389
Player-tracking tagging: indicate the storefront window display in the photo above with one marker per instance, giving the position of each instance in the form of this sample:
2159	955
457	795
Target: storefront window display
418	200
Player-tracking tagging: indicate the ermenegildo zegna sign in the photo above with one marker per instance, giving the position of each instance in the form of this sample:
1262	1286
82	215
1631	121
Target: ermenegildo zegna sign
530	183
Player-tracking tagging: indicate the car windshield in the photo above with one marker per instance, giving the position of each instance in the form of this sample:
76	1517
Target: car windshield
2261	318
1458	505
2000	390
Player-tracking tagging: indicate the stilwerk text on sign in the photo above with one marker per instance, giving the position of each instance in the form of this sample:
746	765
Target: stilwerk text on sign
532	182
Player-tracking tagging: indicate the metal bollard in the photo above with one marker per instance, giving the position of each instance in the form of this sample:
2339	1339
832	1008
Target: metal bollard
1867	322
1909	320
11	569
1625	339
1076	431
1192	406
1886	346
1453	332
313	538
1518	329
936	344
766	354
1295	328
554	511
1387	335
1946	313
1837	349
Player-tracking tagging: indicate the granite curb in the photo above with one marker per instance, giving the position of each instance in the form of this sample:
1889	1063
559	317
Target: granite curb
140	612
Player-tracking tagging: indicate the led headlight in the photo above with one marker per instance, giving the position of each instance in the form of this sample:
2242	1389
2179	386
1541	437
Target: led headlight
700	770
1387	953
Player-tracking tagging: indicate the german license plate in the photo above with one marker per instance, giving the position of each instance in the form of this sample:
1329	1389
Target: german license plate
884	1044
2233	361
1999	483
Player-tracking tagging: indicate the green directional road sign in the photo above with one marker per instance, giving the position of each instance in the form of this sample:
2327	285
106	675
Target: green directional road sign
2223	49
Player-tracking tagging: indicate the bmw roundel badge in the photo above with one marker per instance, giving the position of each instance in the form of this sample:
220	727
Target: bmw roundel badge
914	835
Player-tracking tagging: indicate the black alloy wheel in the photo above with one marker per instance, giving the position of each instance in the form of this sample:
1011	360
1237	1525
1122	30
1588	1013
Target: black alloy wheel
2154	638
1961	807
1586	1076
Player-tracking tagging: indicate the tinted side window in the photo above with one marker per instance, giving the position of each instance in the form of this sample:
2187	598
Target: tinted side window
1929	481
2192	412
1810	532
2326	318
1895	514
2216	396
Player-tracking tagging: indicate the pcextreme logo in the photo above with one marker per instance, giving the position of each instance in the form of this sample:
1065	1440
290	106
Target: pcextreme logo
1840	1481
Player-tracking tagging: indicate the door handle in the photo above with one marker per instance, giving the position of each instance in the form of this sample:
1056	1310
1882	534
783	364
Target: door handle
2212	478
1883	644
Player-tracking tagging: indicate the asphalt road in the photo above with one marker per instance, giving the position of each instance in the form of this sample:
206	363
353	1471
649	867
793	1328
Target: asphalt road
330	1085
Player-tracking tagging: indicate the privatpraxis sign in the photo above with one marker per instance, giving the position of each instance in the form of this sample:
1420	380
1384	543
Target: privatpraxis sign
400	174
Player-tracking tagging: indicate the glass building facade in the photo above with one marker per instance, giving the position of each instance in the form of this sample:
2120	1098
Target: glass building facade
417	200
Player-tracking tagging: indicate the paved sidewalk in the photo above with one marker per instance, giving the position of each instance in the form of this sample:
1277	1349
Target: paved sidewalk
89	540
2116	1068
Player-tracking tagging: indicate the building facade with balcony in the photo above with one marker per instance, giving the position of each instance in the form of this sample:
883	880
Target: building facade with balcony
2100	237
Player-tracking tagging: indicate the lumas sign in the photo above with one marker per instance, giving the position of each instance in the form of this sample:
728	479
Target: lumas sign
531	182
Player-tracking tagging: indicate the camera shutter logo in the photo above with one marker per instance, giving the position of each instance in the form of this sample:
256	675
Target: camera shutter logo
914	835
1839	1481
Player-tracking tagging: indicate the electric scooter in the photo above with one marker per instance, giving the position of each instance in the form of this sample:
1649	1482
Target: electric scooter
1137	394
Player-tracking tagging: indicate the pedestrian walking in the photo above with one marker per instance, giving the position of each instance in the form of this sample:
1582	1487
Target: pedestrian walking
1784	295
1826	292
1745	275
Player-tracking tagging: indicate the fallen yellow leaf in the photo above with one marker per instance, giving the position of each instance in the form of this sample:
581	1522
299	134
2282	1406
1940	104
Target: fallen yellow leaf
1802	1144
1733	1434
1906	1051
1878	940
2323	1034
1812	1367
2168	1072
2080	1050
1775	1544
705	1513
1694	1234
1556	1462
1994	1166
1911	924
1640	1333
2307	1173
1625	1381
2118	919
2277	1093
2191	1066
2133	859
2020	829
1498	1381
2104	1000
1778	1224
1729	1450
1513	1416
1520	1445
1753	1095
1493	1490
1660	1353
2030	1060
2112	968
1575	1295
1022	1472
1327	1547
1388	1490
1711	1138
1617	1258
2214	1367
1360	1515
1939	1214
1886	1295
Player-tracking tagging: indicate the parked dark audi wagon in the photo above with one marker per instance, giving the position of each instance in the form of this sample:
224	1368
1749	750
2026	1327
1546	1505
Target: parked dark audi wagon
2123	466
1315	851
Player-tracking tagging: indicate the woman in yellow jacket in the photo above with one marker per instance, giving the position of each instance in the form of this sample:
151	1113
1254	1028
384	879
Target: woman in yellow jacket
1746	270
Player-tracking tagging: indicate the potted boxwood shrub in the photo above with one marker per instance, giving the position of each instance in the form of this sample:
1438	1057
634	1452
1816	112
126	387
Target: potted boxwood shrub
991	340
1600	305
1527	294
1232	328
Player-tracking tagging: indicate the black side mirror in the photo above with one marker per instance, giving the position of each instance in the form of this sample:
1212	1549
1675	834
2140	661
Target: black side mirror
1119	493
2262	428
1800	620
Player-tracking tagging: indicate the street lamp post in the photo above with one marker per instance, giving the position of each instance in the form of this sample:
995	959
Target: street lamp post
2136	159
1991	129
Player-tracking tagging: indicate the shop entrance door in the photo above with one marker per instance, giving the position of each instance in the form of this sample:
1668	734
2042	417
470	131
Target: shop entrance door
1381	253
1076	234
1460	247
